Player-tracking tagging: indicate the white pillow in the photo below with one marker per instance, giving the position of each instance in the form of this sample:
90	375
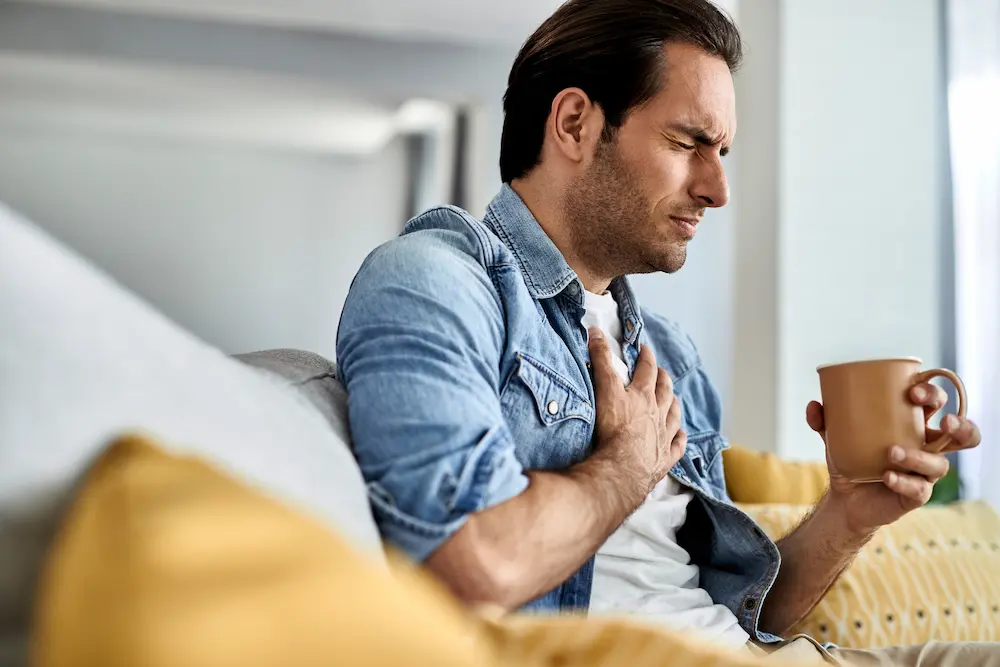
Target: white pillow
82	360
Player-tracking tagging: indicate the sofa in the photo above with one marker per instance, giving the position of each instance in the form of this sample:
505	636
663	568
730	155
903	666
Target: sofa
83	361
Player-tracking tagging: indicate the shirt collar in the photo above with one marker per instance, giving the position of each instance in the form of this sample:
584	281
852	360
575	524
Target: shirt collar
545	270
543	266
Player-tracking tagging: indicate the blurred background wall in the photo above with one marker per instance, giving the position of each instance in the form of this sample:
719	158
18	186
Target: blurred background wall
233	161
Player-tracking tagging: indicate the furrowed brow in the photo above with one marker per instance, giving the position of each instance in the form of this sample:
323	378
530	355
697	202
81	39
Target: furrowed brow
700	135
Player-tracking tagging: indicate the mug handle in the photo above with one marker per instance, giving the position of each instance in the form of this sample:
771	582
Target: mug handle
942	442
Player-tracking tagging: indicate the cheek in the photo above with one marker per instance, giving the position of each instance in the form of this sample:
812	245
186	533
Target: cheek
666	179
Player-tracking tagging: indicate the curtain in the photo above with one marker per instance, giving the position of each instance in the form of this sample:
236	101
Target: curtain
973	39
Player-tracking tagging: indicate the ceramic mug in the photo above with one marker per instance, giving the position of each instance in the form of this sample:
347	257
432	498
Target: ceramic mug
867	409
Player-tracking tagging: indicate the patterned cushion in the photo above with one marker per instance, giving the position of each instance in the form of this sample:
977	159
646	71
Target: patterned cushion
934	574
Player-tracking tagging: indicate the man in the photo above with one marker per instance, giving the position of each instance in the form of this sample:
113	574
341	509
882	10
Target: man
500	449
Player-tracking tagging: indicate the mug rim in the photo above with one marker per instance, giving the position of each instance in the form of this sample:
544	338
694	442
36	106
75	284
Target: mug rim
869	361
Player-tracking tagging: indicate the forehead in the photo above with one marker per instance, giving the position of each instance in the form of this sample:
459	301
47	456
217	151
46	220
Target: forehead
697	89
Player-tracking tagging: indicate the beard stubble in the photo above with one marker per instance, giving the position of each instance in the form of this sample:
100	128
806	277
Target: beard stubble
612	225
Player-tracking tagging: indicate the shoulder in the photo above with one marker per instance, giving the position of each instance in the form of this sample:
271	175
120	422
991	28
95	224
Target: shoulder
449	229
444	248
674	349
433	277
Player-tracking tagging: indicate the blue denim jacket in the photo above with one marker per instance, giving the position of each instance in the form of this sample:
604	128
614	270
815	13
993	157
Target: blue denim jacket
465	361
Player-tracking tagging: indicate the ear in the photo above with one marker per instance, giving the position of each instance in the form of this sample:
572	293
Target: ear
575	125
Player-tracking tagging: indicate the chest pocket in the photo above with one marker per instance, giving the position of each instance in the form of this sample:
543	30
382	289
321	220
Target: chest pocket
551	420
702	464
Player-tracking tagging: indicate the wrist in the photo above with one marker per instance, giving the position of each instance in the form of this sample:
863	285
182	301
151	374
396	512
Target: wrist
606	478
835	513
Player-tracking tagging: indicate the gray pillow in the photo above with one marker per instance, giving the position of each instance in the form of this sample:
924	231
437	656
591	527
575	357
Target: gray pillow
82	360
315	377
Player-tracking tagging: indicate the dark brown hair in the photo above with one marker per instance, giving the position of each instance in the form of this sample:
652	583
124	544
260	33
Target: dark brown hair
613	51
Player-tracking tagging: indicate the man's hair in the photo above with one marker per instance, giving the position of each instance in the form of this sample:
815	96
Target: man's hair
613	51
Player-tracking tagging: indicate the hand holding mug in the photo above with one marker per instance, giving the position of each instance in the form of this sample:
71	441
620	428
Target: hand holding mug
883	458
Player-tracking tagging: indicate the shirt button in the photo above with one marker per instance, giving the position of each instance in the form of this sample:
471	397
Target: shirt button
749	604
553	408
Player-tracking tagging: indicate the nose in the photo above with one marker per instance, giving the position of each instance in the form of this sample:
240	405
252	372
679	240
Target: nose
711	187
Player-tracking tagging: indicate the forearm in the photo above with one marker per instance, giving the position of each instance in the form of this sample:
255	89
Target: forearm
518	550
812	558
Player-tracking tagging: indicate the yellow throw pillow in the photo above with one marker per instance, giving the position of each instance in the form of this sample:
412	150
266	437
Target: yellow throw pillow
164	561
762	477
934	574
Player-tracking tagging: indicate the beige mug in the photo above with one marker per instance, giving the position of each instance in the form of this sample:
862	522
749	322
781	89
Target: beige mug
867	409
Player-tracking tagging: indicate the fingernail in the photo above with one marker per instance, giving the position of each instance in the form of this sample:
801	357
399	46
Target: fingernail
893	477
595	334
919	393
897	454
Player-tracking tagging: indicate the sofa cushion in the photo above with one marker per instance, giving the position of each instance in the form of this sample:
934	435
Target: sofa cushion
82	359
762	477
930	575
312	376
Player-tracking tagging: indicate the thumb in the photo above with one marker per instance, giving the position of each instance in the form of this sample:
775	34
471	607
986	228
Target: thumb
814	417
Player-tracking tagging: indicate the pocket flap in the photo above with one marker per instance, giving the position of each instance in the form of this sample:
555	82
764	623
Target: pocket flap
555	397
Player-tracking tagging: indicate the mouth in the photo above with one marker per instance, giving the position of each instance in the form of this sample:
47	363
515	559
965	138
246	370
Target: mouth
687	226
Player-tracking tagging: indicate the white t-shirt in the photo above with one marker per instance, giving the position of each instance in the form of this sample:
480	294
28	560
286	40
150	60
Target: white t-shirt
641	570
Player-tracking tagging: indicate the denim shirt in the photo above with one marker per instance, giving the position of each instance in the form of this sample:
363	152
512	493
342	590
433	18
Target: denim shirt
466	364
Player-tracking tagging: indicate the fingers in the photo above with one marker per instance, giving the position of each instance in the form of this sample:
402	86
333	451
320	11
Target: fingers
930	397
674	418
645	374
964	434
677	435
814	417
605	377
678	445
664	389
931	466
912	487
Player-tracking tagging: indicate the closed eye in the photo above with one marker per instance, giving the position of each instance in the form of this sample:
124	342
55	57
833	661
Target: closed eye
687	147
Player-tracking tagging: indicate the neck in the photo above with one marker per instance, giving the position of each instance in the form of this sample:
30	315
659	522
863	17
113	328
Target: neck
549	213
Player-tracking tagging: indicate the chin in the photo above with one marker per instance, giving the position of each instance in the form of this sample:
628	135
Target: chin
671	261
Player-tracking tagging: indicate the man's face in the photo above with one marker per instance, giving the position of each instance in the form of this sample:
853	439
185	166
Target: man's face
639	201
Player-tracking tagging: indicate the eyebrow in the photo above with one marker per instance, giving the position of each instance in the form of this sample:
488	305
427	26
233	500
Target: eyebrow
700	136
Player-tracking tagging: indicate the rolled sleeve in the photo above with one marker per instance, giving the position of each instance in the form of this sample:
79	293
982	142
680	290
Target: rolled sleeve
490	475
419	346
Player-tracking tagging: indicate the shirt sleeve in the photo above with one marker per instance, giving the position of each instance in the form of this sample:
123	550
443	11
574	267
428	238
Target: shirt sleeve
418	349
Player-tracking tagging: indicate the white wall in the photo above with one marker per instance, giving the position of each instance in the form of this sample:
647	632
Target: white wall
859	184
753	413
382	71
247	249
